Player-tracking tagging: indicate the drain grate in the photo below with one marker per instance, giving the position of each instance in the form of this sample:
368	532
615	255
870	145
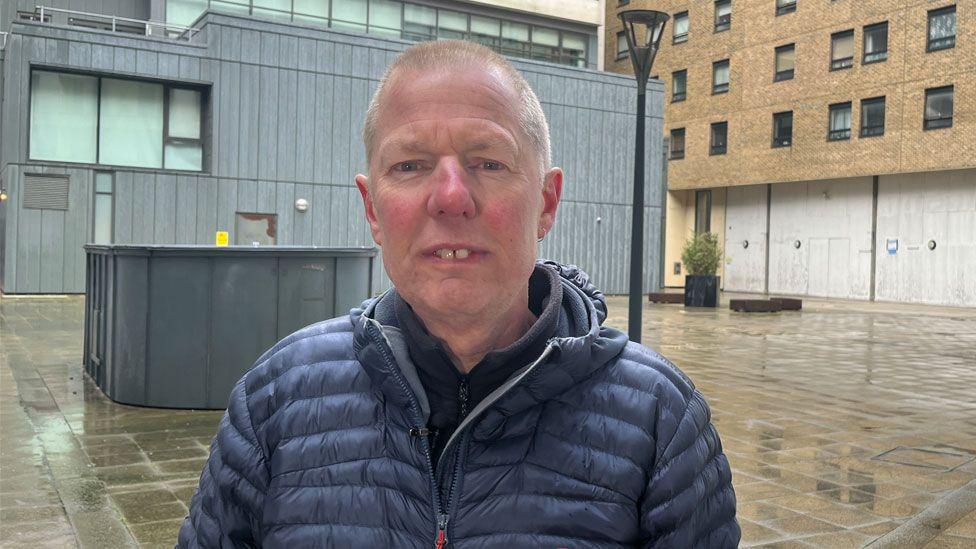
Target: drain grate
940	458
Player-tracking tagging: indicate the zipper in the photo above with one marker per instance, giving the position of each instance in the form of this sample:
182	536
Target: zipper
441	541
443	516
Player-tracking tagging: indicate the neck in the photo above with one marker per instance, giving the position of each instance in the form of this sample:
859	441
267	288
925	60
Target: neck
469	339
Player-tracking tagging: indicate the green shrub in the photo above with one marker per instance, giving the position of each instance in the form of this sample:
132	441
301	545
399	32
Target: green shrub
701	255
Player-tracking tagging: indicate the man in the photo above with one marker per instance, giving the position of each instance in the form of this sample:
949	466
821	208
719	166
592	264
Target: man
480	403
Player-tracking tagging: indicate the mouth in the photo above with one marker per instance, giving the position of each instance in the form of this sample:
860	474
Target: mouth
453	253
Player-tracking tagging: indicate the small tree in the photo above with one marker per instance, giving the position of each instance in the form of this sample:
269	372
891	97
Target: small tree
701	254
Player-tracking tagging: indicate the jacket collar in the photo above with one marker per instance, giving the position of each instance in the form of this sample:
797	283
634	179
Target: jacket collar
582	346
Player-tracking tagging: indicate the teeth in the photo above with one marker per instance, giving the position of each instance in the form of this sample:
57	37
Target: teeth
447	253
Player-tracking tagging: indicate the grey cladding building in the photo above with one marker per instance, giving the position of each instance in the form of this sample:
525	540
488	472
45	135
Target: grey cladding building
115	130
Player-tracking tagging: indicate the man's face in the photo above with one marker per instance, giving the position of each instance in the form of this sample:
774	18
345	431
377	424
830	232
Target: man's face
455	196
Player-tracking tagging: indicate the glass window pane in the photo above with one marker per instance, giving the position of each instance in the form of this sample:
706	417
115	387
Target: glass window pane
231	6
545	37
131	124
843	46
621	44
723	8
872	113
419	22
938	104
574	41
184	156
681	24
272	14
488	26
720	73
63	117
103	182
680	82
184	12
349	11
876	39
317	8
840	118
280	5
451	21
103	219
385	17
785	59
184	113
942	25
515	31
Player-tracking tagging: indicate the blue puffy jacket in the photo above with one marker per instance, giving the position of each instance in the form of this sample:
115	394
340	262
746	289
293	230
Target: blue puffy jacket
598	443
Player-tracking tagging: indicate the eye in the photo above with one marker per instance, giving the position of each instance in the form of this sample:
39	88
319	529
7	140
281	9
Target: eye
492	165
408	166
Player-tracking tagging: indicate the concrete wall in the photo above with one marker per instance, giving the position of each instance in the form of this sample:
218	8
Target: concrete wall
914	209
832	221
286	108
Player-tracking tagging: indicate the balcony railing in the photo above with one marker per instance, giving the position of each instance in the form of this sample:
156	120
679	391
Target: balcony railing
124	25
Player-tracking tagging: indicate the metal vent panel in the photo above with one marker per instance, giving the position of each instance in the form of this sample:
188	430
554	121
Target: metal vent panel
46	192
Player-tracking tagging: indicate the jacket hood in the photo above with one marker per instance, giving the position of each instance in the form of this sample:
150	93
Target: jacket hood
581	347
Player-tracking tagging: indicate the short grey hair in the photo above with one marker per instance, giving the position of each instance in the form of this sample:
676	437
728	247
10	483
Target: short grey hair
459	54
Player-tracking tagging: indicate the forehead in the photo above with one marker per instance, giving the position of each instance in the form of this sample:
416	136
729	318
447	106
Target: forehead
480	101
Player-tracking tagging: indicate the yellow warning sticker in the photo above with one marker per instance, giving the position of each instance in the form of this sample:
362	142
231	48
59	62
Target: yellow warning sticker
222	238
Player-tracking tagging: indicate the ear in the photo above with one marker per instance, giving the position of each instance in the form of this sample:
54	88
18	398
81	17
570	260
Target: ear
552	190
374	225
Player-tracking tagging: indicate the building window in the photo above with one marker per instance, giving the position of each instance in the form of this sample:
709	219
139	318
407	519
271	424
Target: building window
842	50
719	138
872	117
938	107
256	229
102	214
942	29
679	85
118	122
723	15
785	6
875	43
622	47
703	211
680	28
720	76
785	59
783	129
623	2
677	143
840	122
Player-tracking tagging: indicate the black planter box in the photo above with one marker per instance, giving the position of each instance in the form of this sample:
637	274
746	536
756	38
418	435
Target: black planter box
701	291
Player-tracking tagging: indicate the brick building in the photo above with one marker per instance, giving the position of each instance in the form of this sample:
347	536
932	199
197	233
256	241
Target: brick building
831	144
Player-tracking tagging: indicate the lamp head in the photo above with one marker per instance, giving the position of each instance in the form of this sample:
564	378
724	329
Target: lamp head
643	30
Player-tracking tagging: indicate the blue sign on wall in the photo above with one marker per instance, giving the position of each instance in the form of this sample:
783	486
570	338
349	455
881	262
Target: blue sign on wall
892	246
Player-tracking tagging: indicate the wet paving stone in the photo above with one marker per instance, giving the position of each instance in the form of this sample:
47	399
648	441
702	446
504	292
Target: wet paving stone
841	422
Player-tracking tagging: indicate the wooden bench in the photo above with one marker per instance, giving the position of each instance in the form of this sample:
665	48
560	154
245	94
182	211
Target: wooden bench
754	305
666	297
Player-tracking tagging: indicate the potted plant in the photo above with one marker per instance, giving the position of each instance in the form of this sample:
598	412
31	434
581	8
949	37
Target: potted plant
701	256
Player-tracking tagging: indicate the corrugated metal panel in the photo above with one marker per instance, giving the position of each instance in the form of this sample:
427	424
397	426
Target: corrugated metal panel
46	192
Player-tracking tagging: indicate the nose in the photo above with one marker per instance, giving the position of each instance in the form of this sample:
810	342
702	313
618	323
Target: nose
451	195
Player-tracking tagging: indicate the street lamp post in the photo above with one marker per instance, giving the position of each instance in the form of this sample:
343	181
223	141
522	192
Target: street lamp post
648	25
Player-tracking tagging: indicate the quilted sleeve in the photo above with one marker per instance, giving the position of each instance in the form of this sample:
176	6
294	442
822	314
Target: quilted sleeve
226	509
689	501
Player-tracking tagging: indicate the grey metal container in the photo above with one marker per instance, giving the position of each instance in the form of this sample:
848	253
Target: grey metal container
177	326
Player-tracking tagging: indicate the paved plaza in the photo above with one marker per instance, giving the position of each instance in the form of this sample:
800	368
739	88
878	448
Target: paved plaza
846	424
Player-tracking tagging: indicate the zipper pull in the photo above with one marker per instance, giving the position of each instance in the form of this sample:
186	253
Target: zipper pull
441	540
